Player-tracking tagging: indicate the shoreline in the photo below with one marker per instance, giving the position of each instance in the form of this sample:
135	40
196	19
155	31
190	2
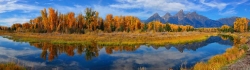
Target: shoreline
231	58
113	39
243	63
120	38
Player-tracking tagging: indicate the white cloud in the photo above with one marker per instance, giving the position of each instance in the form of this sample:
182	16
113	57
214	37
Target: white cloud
10	21
215	4
104	10
162	5
222	5
11	5
228	12
240	2
65	9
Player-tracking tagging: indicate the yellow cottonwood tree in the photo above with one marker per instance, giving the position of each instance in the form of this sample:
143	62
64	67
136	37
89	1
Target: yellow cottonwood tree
241	24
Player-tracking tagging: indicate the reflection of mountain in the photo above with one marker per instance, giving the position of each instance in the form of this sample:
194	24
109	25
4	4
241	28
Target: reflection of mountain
94	57
196	45
52	51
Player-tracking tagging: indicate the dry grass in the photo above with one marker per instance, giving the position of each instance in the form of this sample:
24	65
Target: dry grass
116	38
11	66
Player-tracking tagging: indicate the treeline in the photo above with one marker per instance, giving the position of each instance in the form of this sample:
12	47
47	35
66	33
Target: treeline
240	25
160	27
53	21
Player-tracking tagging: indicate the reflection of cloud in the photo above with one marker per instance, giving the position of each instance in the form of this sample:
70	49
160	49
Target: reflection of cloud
158	60
5	40
10	55
26	55
74	63
22	62
13	53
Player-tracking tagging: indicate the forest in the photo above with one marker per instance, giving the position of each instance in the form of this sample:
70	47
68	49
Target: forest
52	21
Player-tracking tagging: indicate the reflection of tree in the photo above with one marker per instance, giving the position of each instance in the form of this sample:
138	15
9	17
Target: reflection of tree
226	37
110	49
51	51
80	49
70	50
89	53
44	54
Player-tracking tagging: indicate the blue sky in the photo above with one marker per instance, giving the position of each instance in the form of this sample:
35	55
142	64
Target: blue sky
13	11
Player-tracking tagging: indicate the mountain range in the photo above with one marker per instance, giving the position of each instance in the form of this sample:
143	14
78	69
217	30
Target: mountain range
192	18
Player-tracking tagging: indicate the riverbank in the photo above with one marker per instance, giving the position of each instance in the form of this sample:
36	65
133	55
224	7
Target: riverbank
243	63
232	58
11	66
116	38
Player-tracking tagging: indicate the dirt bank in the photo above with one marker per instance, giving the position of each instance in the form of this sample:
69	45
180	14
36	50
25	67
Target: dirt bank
244	63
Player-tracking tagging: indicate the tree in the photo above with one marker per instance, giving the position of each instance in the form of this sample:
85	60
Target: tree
52	19
241	24
101	24
225	28
71	20
167	27
108	22
179	29
45	19
95	21
16	26
89	15
117	22
80	23
26	26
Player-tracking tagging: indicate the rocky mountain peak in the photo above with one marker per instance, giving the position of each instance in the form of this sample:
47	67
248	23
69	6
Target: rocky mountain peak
191	18
193	13
154	18
156	15
180	15
166	16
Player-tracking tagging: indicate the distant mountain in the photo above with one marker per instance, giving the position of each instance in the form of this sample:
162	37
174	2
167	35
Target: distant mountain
192	18
166	16
228	21
155	17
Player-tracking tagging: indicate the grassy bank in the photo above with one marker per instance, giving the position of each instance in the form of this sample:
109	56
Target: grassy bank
230	56
11	66
119	38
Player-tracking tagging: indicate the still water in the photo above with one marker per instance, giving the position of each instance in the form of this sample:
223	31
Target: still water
45	56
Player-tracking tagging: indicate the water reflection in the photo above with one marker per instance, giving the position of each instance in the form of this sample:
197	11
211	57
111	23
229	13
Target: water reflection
196	45
51	51
113	57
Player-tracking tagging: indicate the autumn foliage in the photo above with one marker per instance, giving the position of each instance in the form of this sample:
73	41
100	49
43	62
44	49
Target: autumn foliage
226	28
53	21
241	24
157	26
